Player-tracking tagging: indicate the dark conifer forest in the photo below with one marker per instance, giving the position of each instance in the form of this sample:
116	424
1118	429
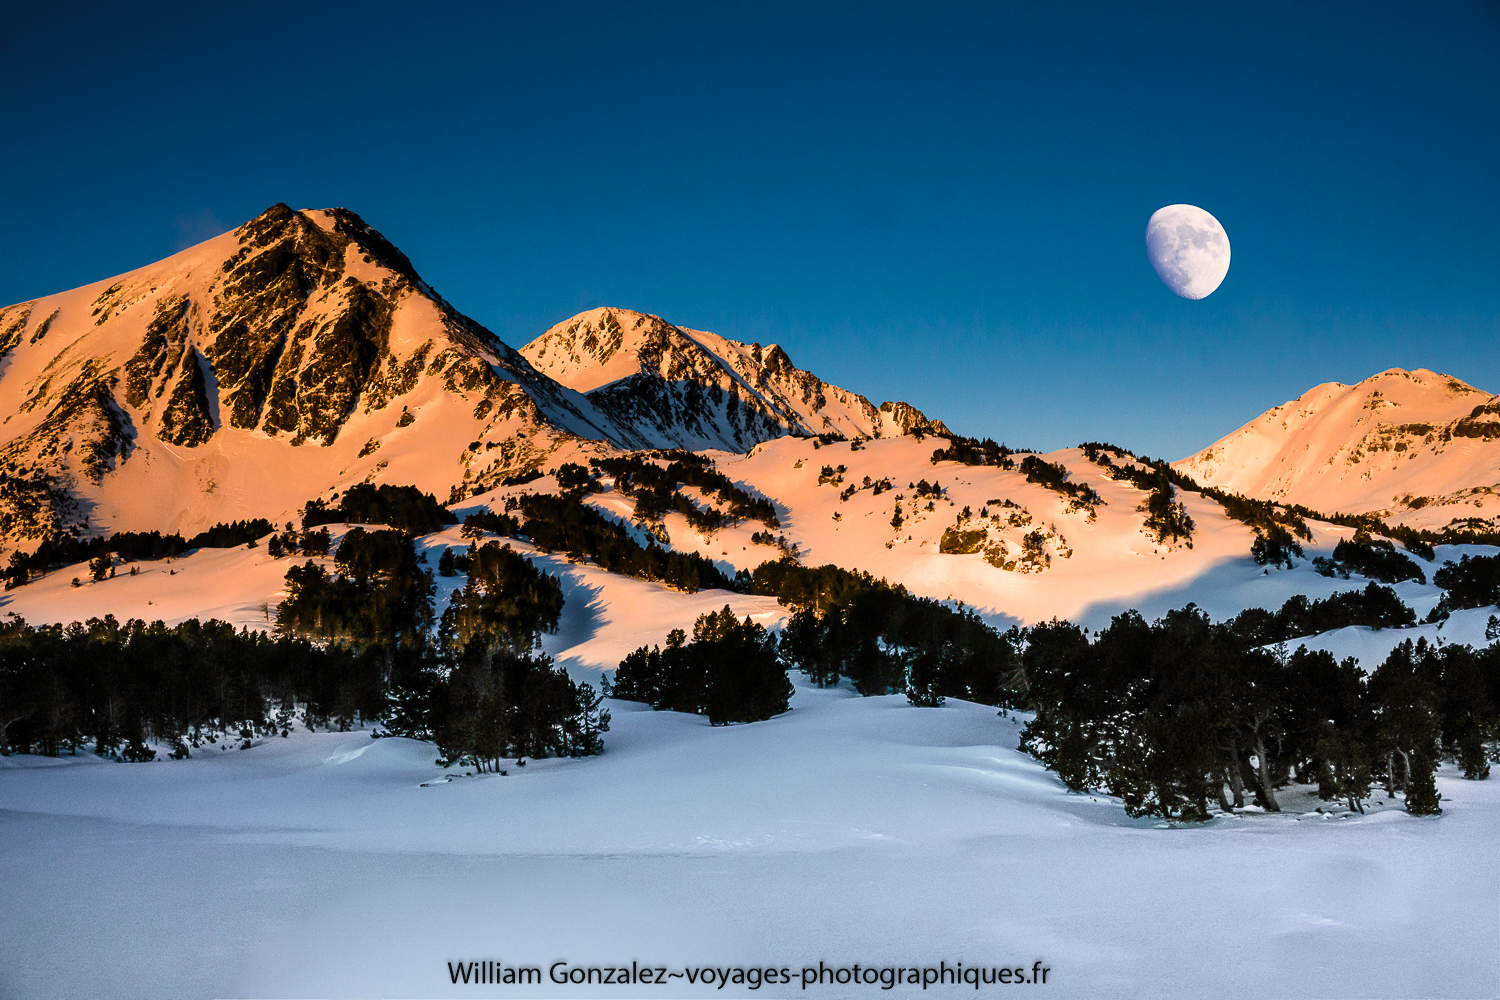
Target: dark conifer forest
1184	713
117	687
729	670
1177	717
845	625
566	524
480	688
404	508
127	547
655	488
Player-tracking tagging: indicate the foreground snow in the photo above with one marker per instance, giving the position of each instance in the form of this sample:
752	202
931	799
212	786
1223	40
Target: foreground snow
849	830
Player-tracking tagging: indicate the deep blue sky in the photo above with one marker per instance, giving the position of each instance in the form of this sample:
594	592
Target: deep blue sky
945	205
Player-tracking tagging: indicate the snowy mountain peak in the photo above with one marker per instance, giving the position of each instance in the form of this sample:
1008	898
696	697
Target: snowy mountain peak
250	372
302	353
1418	447
662	385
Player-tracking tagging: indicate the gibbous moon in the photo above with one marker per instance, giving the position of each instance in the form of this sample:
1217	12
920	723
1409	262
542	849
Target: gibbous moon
1188	248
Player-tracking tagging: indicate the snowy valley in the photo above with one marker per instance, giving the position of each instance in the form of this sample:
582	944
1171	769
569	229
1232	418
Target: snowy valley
632	477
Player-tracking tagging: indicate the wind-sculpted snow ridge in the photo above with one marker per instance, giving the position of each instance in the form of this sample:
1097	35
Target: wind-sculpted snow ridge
1414	448
663	386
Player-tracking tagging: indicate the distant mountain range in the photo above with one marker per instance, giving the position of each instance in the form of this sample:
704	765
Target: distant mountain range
302	353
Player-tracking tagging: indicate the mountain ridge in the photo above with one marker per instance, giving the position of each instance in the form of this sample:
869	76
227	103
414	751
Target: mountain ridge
1417	448
302	353
302	327
670	386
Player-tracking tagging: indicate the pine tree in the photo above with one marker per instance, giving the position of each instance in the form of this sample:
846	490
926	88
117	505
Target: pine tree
922	680
1421	790
1406	722
588	723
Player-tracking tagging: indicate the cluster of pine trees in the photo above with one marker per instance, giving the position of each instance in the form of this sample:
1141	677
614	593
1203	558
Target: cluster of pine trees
1373	558
1472	582
291	542
1375	606
1167	520
845	625
1182	713
128	546
567	524
404	508
730	671
475	524
969	451
655	489
884	640
1418	541
500	696
1276	528
480	690
378	598
121	687
1054	477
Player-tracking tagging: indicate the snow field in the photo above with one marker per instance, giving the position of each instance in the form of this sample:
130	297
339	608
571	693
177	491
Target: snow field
850	829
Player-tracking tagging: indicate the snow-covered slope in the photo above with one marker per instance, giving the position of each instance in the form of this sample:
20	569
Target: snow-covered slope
352	864
1076	567
1418	448
662	386
294	355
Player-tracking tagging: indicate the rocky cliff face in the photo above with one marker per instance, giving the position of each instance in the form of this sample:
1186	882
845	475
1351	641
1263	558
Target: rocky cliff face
1414	447
294	328
664	386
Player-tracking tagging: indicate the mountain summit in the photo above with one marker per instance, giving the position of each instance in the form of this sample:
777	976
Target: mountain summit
1414	447
302	353
246	374
661	385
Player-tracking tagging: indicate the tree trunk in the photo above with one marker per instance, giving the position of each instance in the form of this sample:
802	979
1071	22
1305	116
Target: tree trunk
1223	799
1263	766
1342	778
1236	776
1405	769
1328	781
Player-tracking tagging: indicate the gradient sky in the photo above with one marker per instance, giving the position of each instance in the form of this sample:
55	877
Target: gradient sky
939	203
